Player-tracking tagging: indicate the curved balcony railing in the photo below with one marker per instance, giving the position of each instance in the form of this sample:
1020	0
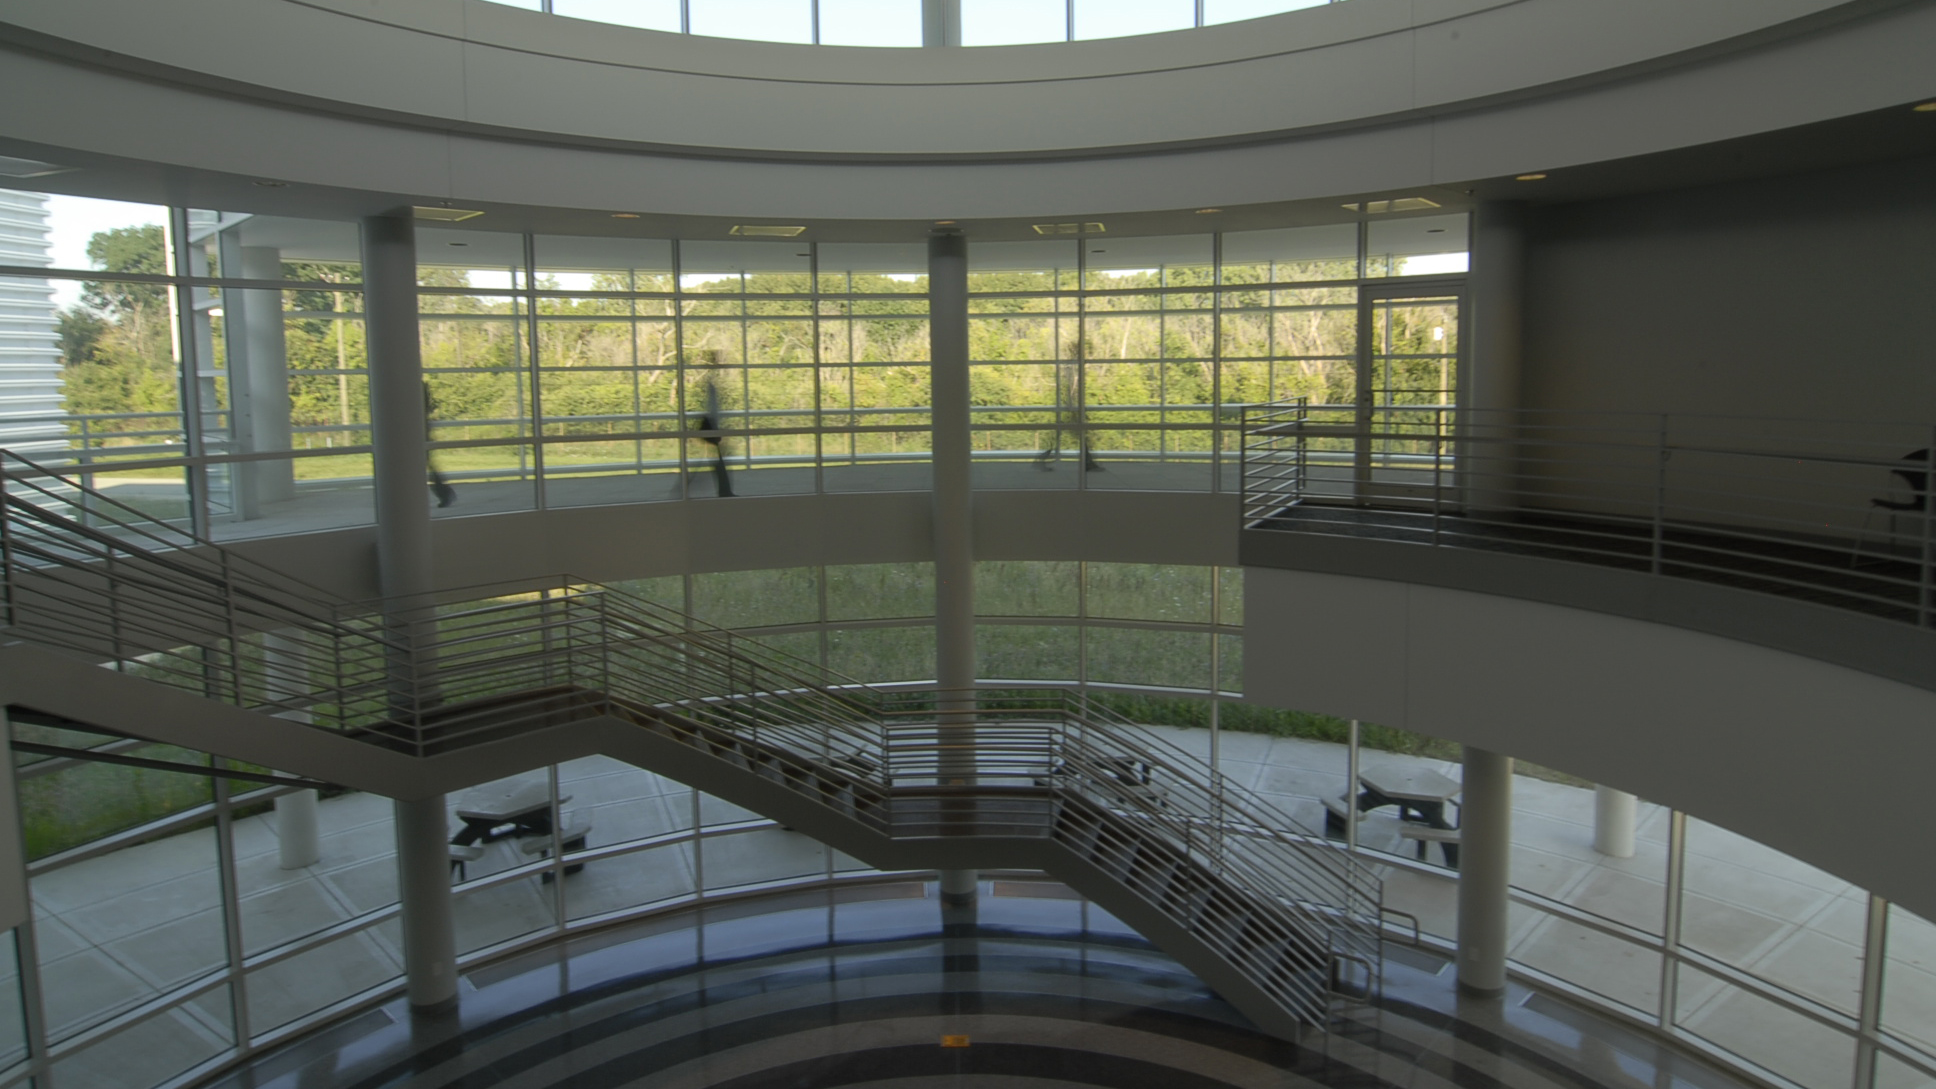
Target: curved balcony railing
1835	513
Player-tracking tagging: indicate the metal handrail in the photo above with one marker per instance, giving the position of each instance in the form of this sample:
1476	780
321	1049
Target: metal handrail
1792	508
92	576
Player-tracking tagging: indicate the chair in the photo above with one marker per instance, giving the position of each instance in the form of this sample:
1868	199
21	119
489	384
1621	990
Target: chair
1917	503
462	855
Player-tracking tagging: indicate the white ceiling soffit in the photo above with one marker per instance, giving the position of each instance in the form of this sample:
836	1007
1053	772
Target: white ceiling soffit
489	68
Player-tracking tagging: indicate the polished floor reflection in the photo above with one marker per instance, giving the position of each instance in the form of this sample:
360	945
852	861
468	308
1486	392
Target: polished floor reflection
866	983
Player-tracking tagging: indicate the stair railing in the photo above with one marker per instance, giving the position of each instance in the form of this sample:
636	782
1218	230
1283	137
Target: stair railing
89	575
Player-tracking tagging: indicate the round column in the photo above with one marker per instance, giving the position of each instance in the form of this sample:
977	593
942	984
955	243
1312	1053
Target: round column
1613	822
1485	870
954	561
398	435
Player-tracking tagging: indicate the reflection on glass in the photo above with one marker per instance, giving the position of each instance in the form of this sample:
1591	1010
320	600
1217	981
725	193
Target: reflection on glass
1166	659
1909	979
1026	588
1013	22
754	599
650	14
1328	252
13	1026
870	22
317	978
450	257
877	655
1116	18
1746	903
574	263
880	590
1803	1050
1418	246
155	1050
1025	651
1149	591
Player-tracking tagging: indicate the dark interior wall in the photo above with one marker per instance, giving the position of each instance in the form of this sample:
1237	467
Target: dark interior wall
1810	296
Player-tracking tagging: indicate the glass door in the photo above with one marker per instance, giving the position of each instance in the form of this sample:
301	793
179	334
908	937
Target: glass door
1407	395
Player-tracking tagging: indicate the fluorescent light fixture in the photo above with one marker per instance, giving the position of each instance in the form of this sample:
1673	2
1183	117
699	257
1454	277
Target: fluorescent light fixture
1401	204
766	230
1530	177
1208	211
625	215
1068	228
444	215
1924	107
29	168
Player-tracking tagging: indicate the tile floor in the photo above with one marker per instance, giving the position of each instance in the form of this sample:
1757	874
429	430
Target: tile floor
122	928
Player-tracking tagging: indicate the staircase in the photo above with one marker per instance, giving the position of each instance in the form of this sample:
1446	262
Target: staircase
121	622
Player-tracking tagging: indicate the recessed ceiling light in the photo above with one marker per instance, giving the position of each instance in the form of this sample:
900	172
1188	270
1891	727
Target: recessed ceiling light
1400	204
625	215
1208	211
1530	177
945	222
1067	228
29	168
1924	107
764	230
445	215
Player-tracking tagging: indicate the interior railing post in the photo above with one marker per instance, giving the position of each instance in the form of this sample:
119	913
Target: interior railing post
1660	493
7	554
1924	601
233	632
114	611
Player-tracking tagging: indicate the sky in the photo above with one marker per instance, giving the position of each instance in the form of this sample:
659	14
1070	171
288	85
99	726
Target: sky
75	221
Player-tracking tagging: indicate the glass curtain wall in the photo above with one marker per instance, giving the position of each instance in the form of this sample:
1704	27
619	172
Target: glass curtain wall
221	381
171	930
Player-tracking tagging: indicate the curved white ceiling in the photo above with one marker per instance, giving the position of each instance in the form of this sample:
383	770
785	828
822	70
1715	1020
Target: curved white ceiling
466	100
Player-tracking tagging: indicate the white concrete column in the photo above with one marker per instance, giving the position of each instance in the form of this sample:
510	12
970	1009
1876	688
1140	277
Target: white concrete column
423	887
1613	821
1494	324
954	561
299	837
265	419
398	434
1485	871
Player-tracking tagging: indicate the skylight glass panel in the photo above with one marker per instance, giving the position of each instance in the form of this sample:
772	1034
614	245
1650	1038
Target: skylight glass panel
1229	11
650	14
1119	18
758	20
1013	22
870	22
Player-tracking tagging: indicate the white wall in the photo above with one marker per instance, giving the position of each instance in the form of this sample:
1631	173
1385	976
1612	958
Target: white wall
642	540
1804	296
1828	764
